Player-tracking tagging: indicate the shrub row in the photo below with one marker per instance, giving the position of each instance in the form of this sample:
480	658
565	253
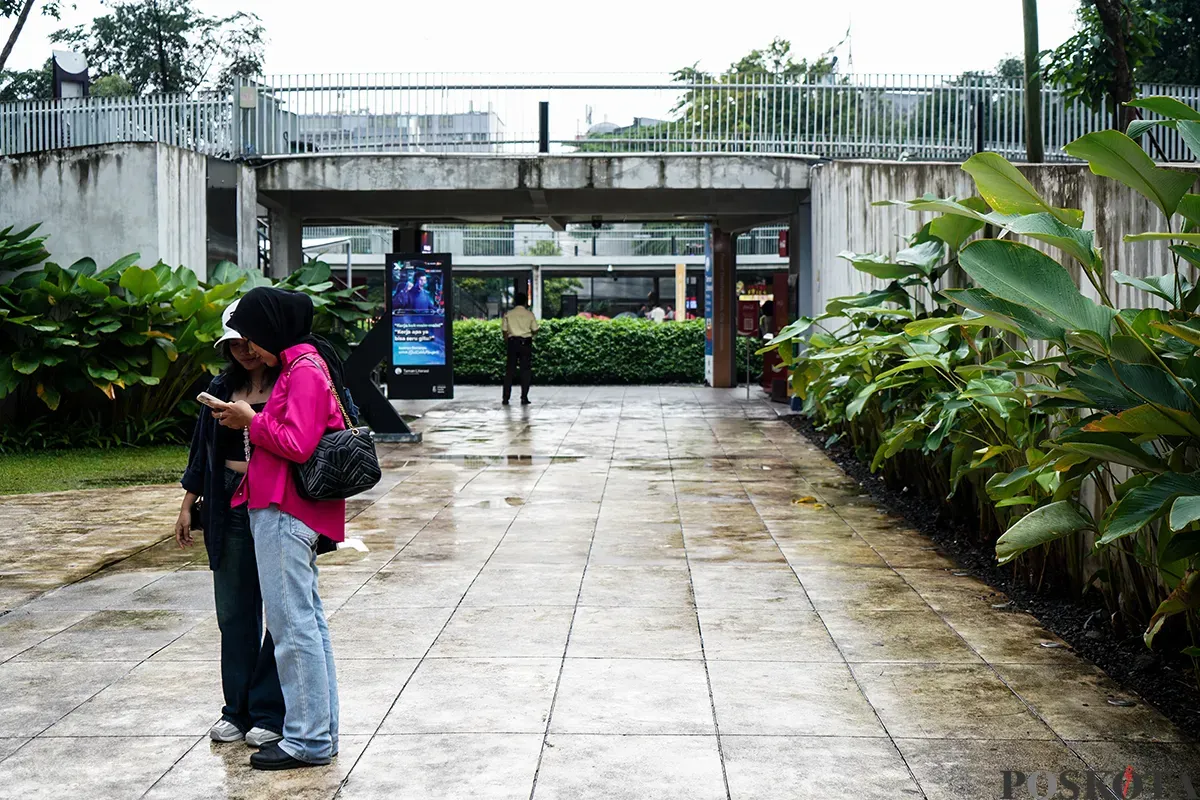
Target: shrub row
112	356
1069	426
584	351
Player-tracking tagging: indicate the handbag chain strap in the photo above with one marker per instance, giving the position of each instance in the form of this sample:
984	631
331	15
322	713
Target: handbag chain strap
333	389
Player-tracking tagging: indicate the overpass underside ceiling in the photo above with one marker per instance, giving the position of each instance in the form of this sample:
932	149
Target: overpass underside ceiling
732	210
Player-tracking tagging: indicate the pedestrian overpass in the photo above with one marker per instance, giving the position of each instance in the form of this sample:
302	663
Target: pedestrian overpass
191	175
732	192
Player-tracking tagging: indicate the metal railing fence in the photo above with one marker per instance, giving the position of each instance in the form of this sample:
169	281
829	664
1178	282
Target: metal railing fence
203	123
905	116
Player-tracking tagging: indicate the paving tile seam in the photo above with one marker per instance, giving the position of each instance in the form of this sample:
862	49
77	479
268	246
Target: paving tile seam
174	763
942	617
837	646
712	702
24	606
571	627
74	708
448	502
391	707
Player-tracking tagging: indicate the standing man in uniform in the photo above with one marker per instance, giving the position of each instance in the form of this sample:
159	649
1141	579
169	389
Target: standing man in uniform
519	326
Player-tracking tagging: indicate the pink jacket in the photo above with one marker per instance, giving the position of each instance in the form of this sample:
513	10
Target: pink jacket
300	411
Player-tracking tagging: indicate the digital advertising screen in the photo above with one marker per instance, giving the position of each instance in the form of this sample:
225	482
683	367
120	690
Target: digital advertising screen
419	302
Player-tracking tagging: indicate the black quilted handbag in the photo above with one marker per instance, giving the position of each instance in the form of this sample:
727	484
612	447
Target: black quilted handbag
344	463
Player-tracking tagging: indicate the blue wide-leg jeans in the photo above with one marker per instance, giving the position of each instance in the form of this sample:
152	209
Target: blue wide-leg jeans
285	549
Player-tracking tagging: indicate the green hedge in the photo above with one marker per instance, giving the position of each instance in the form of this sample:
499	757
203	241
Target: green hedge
578	350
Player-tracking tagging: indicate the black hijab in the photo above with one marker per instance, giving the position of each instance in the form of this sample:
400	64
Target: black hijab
276	319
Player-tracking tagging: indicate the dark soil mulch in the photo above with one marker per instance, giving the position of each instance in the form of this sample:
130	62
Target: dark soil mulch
1165	680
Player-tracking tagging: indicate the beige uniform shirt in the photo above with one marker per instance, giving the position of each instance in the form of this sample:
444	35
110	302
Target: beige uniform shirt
520	322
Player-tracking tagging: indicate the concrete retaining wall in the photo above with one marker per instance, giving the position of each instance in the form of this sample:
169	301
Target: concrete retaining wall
844	219
105	202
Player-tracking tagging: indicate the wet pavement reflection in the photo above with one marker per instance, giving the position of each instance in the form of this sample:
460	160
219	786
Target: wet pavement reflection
649	592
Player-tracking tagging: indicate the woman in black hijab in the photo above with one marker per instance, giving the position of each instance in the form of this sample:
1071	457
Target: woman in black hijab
304	405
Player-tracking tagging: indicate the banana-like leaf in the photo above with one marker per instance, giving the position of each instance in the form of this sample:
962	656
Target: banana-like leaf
985	303
1114	155
1174	549
1019	500
1189	131
1189	209
890	294
1184	511
1140	420
1040	526
1158	285
1114	447
932	325
855	406
1144	504
1075	242
1158	236
1185	597
971	207
1027	277
1140	127
1184	332
1007	191
1112	391
879	266
1166	106
954	229
916	363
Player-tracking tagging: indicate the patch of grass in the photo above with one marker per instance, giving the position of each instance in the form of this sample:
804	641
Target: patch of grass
62	470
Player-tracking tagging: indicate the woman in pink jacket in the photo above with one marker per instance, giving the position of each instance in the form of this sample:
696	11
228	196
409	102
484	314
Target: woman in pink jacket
286	526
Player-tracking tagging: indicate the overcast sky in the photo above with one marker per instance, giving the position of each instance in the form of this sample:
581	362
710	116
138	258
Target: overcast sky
538	36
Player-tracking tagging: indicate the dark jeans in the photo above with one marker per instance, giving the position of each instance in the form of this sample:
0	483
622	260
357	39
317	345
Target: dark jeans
249	678
520	350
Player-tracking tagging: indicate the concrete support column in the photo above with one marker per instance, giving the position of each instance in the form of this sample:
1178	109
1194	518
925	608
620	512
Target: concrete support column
247	218
535	299
800	245
287	243
724	303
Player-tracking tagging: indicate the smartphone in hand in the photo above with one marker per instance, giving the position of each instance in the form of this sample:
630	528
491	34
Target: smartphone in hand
210	401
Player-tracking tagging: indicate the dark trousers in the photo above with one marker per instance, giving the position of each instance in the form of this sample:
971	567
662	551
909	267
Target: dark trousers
520	350
249	678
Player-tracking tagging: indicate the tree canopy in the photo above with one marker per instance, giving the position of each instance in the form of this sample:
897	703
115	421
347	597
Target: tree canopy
19	11
168	45
27	84
1177	58
1120	43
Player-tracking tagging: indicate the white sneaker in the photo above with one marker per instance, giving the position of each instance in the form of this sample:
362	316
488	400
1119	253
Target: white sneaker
225	731
261	737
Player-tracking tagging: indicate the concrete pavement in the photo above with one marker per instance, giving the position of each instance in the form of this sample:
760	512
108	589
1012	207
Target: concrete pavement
616	593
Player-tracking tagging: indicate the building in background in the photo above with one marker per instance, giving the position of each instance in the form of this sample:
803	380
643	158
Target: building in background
465	132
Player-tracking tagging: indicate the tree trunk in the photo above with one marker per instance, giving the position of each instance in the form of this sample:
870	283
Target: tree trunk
1034	151
1114	18
163	65
16	31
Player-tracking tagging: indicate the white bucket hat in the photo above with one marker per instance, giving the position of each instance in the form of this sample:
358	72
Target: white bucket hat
229	333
